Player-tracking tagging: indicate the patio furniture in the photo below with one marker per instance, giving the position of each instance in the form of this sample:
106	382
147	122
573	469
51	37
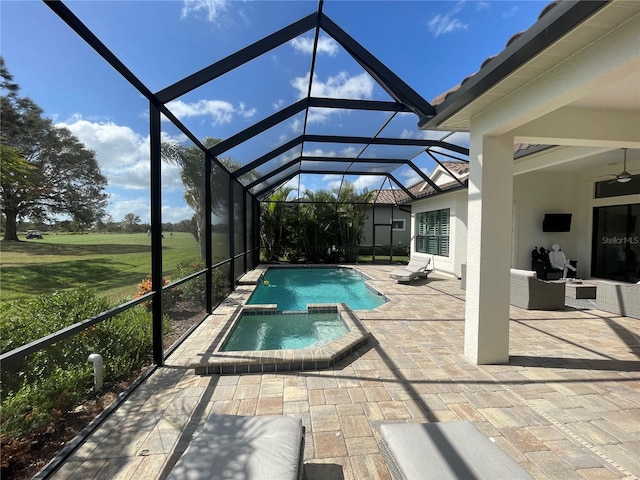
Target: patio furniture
239	447
578	289
619	298
531	293
444	450
416	268
542	265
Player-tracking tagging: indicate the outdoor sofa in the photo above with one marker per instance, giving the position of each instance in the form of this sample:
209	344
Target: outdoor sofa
444	450
619	298
531	293
416	268
244	448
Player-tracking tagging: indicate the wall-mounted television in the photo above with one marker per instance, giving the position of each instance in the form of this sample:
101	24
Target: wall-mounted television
556	222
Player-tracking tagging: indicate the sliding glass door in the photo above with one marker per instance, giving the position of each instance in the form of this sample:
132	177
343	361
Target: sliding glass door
616	243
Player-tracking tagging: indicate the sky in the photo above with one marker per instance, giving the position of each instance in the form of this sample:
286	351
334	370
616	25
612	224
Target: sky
430	45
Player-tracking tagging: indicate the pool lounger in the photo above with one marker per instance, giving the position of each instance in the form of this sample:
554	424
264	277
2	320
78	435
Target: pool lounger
445	450
239	447
416	268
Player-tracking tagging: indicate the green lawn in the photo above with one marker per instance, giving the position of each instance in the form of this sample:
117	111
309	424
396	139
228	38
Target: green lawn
112	263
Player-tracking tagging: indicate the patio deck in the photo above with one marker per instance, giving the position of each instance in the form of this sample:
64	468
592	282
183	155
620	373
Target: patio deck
566	406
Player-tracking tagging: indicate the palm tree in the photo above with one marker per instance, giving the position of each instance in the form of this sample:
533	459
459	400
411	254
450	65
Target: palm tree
318	225
351	214
192	173
273	223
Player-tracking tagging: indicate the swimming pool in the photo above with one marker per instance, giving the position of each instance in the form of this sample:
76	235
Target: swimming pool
284	331
292	289
318	356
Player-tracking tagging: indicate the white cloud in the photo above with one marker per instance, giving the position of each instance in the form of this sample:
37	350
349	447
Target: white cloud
349	151
441	24
115	145
370	182
173	214
123	156
142	207
245	112
296	125
210	9
293	183
318	152
410	178
325	45
331	181
119	207
219	111
447	22
358	87
422	134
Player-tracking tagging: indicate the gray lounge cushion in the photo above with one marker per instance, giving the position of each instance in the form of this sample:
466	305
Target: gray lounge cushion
416	268
233	447
446	450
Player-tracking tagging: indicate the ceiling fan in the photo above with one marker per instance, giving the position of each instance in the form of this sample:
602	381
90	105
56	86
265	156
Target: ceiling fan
624	176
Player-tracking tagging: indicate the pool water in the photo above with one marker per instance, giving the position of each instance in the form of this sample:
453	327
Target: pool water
295	288
284	331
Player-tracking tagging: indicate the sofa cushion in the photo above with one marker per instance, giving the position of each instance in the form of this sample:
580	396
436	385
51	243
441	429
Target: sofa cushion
524	273
619	298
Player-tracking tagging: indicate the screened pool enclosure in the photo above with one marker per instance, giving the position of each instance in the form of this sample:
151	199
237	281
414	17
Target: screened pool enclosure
349	141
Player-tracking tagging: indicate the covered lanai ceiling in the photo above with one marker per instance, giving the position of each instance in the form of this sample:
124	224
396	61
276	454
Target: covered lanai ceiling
338	131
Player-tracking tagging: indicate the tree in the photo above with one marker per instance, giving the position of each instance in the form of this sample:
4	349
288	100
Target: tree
317	221
351	214
326	219
192	173
130	222
48	172
273	223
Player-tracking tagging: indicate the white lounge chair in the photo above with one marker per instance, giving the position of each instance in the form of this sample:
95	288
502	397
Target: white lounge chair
416	268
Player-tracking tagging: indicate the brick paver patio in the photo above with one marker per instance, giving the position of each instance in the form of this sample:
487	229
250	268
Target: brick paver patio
567	406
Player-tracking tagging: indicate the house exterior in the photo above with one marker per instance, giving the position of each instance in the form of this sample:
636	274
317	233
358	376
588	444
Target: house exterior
565	96
395	218
388	222
439	221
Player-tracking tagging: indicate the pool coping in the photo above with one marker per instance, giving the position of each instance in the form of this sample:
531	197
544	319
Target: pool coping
310	358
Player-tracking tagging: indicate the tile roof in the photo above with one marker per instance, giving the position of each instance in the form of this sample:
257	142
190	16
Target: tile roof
422	189
389	196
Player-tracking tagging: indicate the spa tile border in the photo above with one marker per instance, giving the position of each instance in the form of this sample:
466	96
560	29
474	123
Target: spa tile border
313	358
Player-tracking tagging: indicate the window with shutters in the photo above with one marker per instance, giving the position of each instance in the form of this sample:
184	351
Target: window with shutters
432	232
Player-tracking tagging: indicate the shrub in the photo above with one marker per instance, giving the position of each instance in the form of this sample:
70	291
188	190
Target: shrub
194	290
50	381
221	283
170	297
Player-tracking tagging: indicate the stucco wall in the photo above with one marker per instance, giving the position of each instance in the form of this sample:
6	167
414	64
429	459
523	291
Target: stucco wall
457	203
535	194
